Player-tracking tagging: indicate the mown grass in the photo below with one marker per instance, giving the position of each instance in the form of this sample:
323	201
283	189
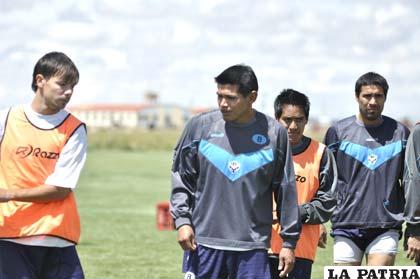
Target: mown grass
133	139
117	194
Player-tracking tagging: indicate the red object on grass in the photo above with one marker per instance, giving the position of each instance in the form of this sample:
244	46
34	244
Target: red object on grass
164	221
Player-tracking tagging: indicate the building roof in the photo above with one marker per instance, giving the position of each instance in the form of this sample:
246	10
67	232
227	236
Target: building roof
109	107
197	110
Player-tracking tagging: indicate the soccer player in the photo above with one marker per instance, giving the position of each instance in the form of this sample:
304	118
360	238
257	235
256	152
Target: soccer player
43	149
316	176
369	151
412	195
227	164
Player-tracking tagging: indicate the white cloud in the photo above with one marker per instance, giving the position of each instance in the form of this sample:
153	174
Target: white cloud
309	20
117	34
112	59
45	45
177	47
313	47
325	74
184	33
362	11
387	14
17	56
207	7
127	7
74	31
2	92
283	38
359	50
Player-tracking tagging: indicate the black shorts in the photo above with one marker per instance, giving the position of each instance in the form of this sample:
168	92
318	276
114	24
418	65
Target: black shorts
301	270
25	261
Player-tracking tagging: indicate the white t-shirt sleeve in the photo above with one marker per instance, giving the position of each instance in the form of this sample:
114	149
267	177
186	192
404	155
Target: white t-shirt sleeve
71	161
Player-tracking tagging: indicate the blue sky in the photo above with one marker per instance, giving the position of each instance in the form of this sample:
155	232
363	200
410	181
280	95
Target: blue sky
125	48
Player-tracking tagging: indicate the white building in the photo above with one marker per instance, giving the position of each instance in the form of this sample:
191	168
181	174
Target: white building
131	115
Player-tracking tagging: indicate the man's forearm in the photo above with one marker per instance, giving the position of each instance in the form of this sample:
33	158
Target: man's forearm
321	207
42	193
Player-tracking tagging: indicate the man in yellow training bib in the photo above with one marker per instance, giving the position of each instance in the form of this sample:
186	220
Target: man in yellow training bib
316	177
42	152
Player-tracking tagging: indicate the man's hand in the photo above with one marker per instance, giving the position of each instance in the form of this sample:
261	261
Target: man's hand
413	248
4	195
186	237
286	261
322	242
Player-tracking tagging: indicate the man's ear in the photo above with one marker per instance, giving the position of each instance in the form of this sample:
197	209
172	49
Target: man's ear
40	80
253	96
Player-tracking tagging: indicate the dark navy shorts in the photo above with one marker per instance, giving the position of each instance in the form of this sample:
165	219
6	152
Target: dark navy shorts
361	237
36	262
301	270
208	263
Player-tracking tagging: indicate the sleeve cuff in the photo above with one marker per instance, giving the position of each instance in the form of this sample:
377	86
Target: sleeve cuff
182	221
289	243
413	230
304	216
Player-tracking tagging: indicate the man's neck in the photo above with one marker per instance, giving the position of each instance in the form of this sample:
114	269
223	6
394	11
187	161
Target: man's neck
40	107
301	146
367	122
247	118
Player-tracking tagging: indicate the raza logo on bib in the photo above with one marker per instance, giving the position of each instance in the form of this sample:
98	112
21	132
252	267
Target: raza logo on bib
25	151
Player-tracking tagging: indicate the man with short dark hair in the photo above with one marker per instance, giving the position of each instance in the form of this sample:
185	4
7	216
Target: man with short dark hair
43	150
227	164
369	151
316	177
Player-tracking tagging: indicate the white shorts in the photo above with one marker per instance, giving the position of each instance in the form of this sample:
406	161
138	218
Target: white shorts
346	251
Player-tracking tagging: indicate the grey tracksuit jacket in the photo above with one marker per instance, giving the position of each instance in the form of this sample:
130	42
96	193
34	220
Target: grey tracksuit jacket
223	178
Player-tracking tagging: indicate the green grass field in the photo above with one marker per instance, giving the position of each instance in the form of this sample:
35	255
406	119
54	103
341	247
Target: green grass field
117	194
